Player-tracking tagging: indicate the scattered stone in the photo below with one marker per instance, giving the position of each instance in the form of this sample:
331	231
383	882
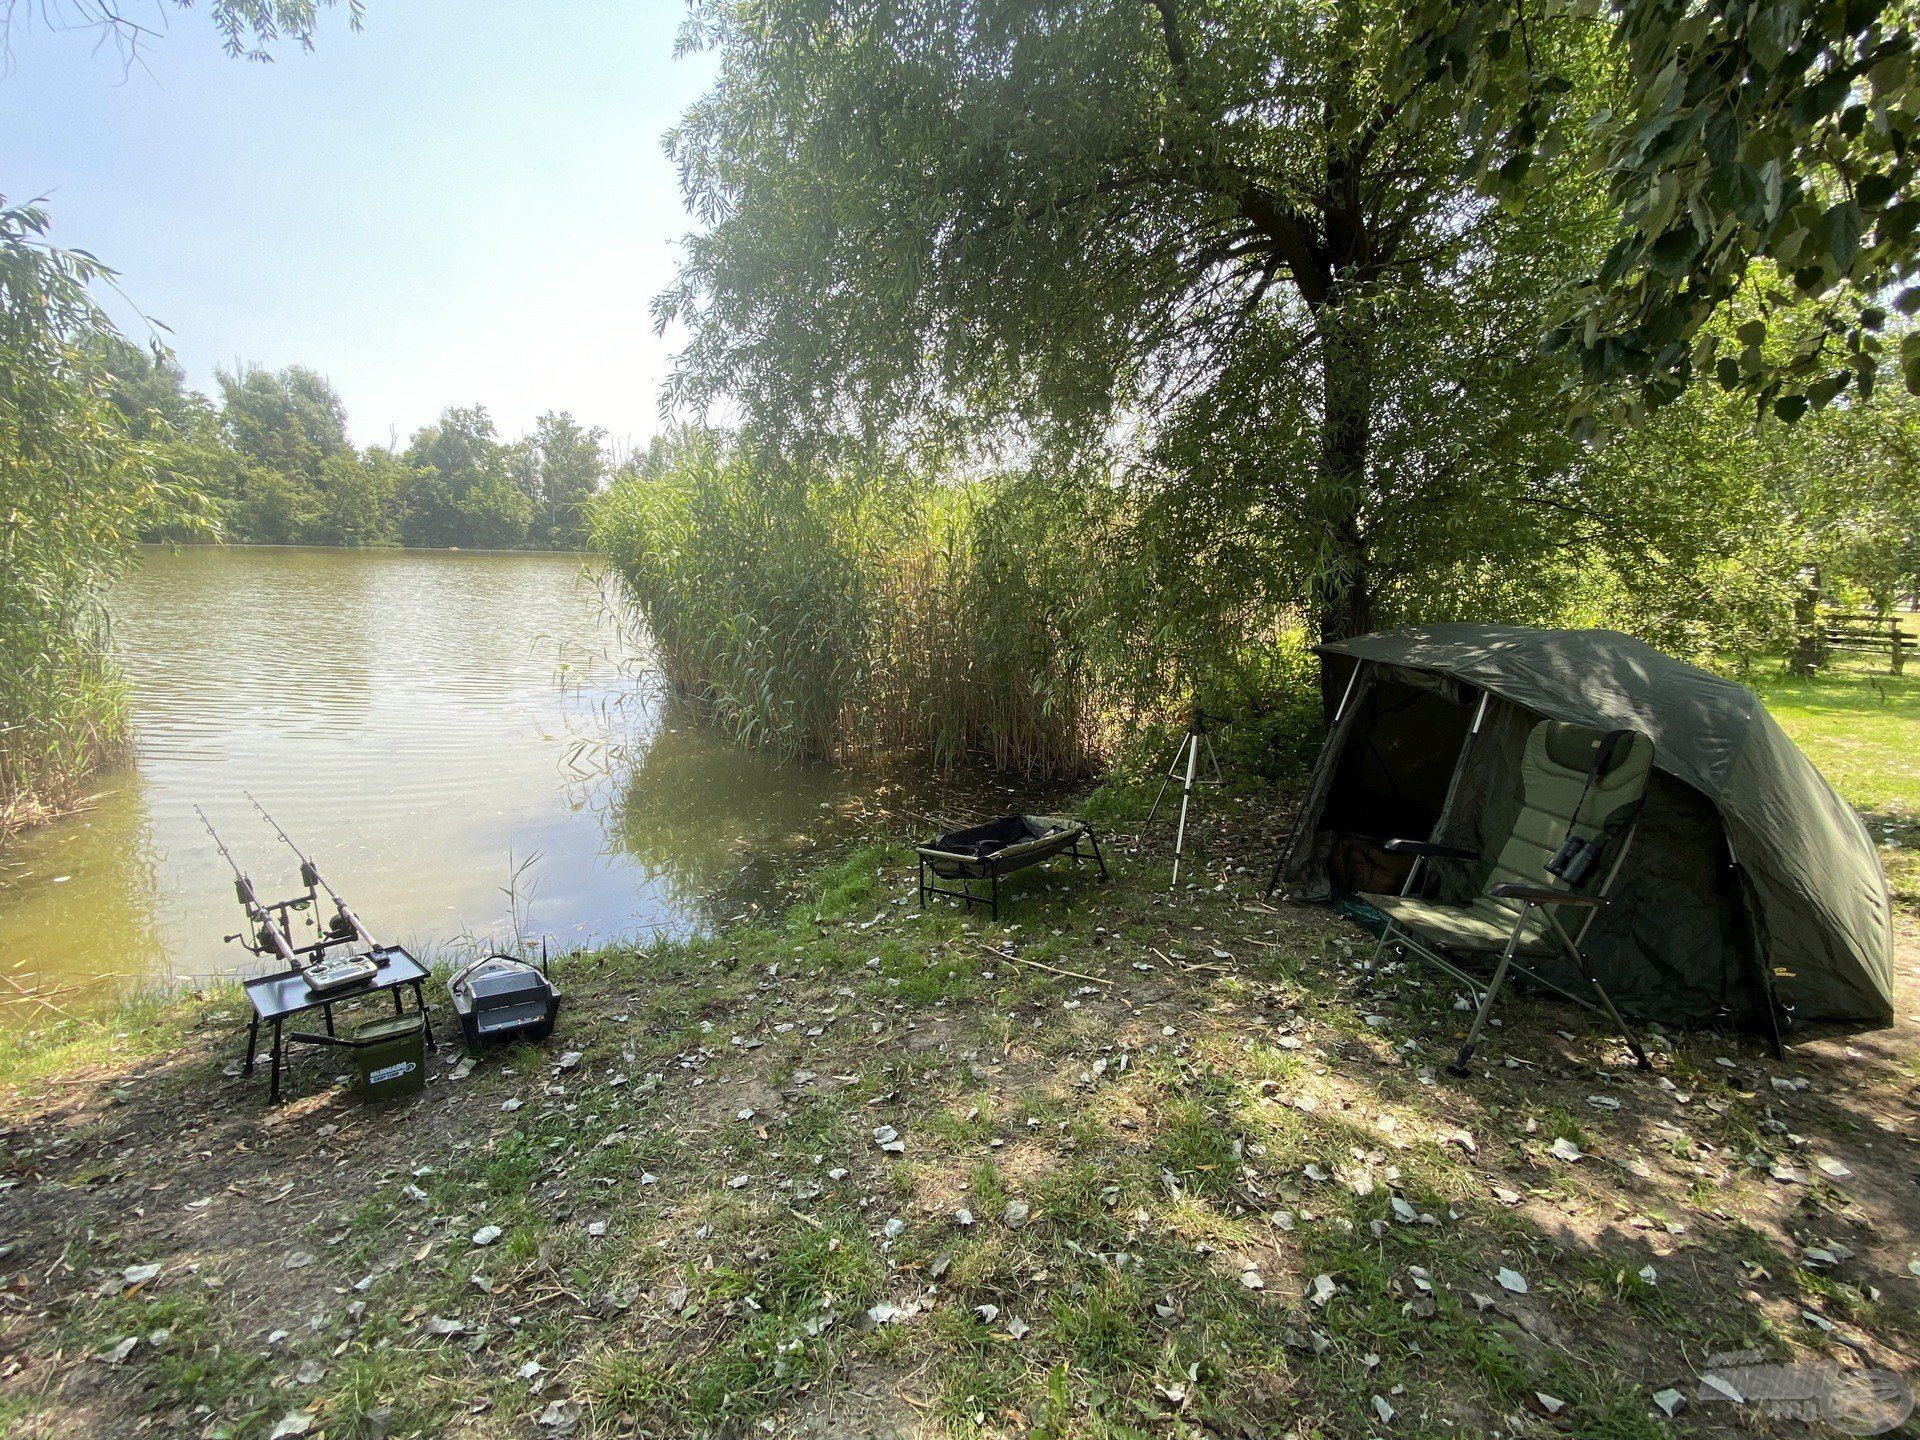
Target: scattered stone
560	1416
888	1139
1383	1409
1670	1401
1512	1280
487	1234
1565	1149
135	1275
1017	1212
294	1422
1323	1289
1250	1278
1832	1168
567	1062
298	1260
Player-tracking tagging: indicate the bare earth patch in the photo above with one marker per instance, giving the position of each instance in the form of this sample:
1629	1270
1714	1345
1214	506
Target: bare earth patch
1132	1162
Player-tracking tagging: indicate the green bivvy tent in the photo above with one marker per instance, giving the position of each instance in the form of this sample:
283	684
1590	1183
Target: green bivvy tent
1752	891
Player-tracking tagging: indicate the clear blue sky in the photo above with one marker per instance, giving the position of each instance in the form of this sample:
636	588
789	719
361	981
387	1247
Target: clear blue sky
464	203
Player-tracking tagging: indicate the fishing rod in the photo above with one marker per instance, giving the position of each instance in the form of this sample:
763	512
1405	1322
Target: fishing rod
267	935
345	924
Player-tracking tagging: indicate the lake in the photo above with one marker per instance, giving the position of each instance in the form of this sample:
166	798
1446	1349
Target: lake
467	743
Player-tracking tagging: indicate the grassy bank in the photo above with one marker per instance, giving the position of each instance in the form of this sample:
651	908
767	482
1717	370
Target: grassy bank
1160	1171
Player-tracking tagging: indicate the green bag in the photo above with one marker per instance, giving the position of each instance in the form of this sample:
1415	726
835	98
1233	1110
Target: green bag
390	1057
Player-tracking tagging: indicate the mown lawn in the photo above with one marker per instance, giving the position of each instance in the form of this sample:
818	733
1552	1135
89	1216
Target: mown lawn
1860	725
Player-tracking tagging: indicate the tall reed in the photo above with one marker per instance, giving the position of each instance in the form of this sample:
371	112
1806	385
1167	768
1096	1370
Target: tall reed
827	614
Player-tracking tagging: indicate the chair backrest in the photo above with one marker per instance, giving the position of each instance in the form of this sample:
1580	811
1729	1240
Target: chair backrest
1554	783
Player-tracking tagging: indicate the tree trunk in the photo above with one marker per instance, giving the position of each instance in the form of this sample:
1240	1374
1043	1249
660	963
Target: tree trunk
1809	642
1342	587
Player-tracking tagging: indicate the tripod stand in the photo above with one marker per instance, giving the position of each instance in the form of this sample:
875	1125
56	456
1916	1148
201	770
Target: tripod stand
1189	755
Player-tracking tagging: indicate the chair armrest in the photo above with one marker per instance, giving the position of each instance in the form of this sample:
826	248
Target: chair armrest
1541	895
1430	850
929	853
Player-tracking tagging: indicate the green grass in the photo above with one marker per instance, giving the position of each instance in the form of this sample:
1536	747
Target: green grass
1153	1188
1859	726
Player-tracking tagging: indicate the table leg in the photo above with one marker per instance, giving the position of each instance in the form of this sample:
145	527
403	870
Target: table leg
273	1088
328	1009
395	992
420	1003
253	1040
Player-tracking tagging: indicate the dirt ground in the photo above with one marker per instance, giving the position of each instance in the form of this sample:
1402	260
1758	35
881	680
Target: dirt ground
1253	1202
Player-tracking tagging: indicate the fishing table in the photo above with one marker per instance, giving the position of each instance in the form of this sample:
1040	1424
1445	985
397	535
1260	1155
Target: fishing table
279	997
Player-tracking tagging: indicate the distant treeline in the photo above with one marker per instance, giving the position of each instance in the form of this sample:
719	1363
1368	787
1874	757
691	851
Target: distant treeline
272	459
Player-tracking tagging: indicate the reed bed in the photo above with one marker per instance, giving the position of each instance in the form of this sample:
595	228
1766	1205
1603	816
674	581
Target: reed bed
845	614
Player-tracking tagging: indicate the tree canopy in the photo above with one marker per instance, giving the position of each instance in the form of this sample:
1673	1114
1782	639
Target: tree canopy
1223	241
1761	147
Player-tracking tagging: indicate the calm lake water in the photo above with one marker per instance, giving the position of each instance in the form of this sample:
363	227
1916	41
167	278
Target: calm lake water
426	724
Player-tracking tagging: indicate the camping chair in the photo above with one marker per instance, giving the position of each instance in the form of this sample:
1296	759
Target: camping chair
1580	795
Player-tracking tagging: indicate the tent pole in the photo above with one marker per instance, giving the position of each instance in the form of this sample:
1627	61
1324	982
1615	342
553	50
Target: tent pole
1453	788
1762	970
1293	830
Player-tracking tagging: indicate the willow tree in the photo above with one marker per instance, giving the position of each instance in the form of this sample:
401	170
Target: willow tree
1761	151
1149	226
76	491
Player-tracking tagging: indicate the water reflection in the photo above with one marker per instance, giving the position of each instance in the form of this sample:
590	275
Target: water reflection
459	740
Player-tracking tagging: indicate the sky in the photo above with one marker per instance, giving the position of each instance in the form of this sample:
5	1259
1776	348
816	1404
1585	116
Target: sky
464	203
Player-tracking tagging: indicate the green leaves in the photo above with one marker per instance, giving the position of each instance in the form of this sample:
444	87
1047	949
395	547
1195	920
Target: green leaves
1754	134
77	488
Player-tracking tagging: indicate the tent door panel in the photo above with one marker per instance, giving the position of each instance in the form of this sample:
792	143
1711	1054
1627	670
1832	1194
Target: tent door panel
1391	780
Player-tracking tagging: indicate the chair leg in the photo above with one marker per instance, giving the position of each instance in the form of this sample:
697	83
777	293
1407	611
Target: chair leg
1458	1069
1606	1000
1371	973
923	884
